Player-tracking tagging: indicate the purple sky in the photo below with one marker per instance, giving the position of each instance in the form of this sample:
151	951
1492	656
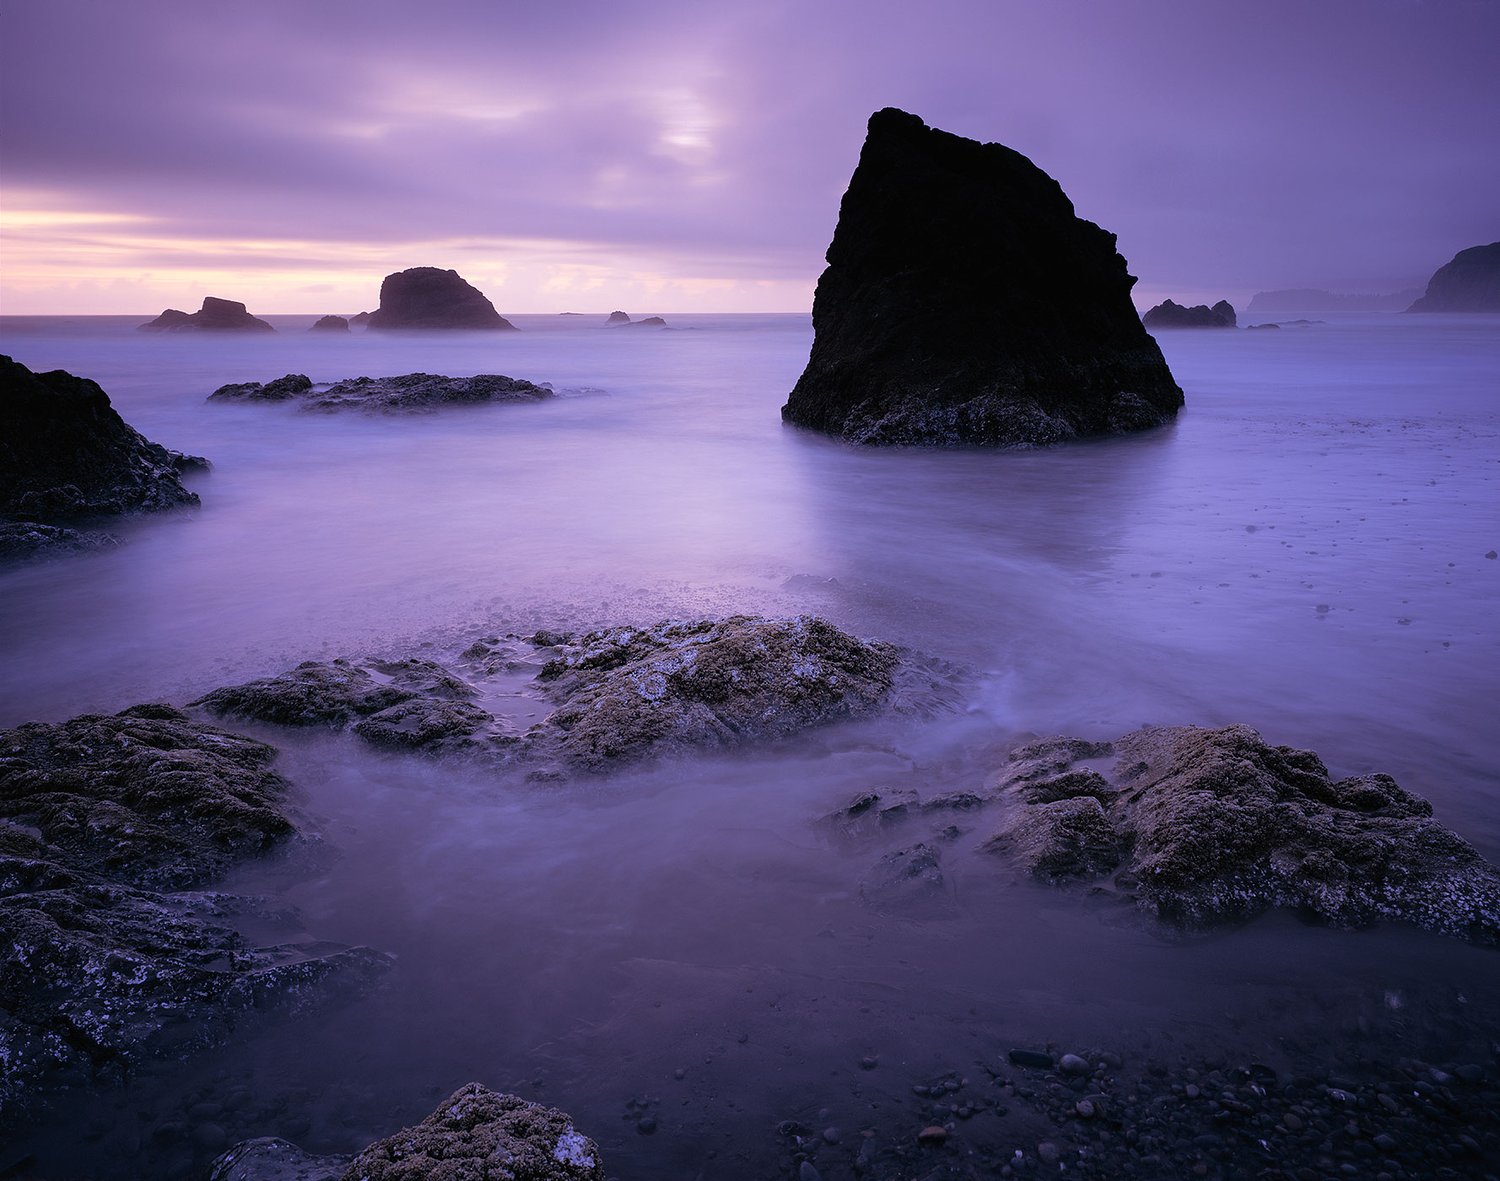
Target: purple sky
674	157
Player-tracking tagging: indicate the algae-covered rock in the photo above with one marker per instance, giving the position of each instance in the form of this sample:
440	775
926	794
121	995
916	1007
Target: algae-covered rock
1215	825
145	796
107	822
481	1135
625	693
402	703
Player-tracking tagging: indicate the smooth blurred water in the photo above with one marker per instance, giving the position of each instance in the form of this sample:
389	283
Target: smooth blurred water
1304	552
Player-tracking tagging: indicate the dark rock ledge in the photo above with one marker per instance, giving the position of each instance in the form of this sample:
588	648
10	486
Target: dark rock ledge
67	460
409	393
111	827
618	696
473	1135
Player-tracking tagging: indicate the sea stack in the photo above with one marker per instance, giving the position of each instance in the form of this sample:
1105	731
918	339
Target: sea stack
1470	283
430	298
216	315
1169	314
966	304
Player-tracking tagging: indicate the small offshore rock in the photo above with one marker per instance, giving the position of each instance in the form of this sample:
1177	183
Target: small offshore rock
1173	315
407	393
429	298
330	324
475	1127
216	315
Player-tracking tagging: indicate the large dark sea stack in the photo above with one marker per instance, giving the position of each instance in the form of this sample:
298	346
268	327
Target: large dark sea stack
429	298
1470	283
965	303
66	453
216	315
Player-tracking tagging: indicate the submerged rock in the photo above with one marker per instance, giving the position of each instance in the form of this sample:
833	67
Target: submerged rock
269	1158
965	303
1469	283
906	881
1215	825
109	827
409	393
1174	315
479	1134
432	298
216	315
20	540
626	693
330	324
67	455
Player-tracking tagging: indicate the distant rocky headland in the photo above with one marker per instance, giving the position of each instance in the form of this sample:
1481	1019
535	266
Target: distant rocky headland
1469	283
67	459
1307	299
965	303
216	315
409	393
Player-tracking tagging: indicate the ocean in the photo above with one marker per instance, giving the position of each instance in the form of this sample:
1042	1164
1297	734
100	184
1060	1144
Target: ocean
1309	550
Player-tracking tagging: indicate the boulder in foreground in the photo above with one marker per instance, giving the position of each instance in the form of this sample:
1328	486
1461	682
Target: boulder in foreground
1204	826
110	827
431	298
408	393
481	1134
965	303
1168	314
1469	283
66	455
216	315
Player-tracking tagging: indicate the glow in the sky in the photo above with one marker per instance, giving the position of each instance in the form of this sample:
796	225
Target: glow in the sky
677	156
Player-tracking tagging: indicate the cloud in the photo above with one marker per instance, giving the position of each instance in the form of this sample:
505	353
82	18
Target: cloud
1343	143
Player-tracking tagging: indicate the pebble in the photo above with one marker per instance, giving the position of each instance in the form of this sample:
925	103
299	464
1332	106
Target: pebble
646	1125
932	1134
1030	1058
869	1062
831	1135
808	1173
1049	1152
1073	1064
211	1137
1085	1108
1192	1091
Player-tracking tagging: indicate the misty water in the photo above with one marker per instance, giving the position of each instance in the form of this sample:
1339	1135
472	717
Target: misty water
1308	550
